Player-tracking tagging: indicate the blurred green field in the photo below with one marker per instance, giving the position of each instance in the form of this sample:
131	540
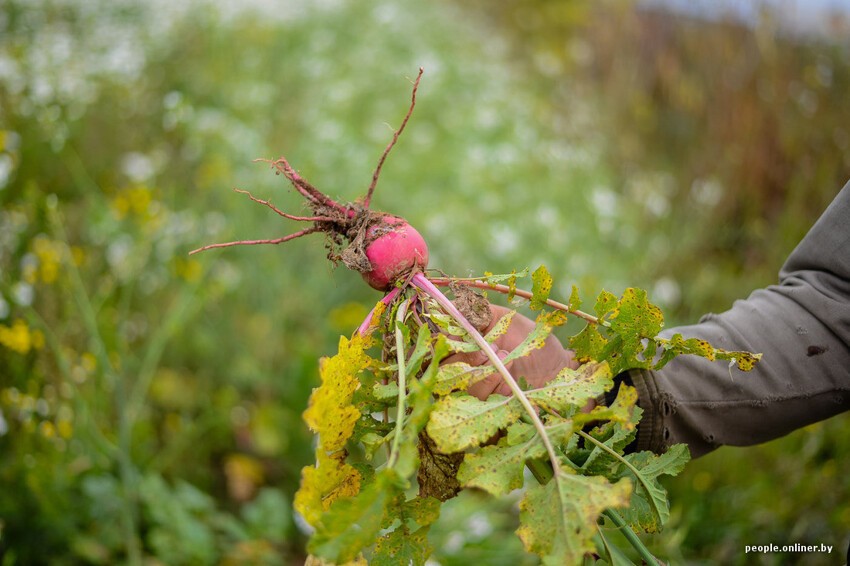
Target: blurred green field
150	403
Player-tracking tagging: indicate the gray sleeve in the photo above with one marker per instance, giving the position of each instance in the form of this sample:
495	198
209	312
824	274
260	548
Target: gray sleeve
801	325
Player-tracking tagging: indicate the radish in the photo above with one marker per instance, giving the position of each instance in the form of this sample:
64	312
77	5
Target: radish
395	251
385	249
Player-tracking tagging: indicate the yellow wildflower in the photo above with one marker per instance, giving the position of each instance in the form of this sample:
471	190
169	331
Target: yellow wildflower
17	337
47	429
65	429
49	254
140	199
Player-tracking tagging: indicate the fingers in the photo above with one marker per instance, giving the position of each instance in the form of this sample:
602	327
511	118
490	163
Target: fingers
472	358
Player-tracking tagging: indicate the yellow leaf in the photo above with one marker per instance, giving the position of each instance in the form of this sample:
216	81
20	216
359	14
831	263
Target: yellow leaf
330	479
330	413
332	416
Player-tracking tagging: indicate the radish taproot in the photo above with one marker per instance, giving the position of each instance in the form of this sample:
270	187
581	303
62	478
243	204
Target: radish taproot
385	249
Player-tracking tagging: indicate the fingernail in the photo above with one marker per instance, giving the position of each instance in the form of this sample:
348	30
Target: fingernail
502	354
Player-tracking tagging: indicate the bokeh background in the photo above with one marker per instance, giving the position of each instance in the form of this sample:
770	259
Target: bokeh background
150	402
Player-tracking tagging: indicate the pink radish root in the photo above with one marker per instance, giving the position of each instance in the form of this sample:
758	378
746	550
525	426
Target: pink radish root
384	249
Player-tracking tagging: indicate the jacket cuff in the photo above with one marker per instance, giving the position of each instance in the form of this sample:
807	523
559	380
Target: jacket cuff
650	435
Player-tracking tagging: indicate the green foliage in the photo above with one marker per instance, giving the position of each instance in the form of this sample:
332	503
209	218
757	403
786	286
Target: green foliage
627	336
558	519
540	288
582	474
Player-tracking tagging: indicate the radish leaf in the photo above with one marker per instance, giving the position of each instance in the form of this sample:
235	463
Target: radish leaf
558	519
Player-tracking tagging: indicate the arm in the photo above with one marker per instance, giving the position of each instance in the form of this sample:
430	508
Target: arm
801	325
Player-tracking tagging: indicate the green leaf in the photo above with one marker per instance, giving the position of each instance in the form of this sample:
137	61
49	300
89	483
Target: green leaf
500	327
330	412
407	543
605	303
420	403
677	345
572	388
462	346
459	375
635	319
508	277
519	432
575	300
611	552
445	322
371	442
615	435
460	421
745	361
322	484
558	520
402	547
385	392
422	348
440	349
541	286
407	461
353	524
535	339
649	508
498	469
588	344
423	511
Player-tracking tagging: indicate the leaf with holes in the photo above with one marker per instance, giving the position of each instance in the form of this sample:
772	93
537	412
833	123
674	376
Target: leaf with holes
541	286
460	421
572	388
558	519
498	469
352	524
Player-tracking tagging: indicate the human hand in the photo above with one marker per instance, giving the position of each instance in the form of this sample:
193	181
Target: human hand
537	368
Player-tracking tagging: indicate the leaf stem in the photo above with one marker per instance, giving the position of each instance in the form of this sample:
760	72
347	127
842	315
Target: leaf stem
630	535
602	446
446	281
363	329
540	470
422	283
402	383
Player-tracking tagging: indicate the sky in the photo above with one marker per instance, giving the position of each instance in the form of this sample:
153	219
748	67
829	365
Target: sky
797	16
